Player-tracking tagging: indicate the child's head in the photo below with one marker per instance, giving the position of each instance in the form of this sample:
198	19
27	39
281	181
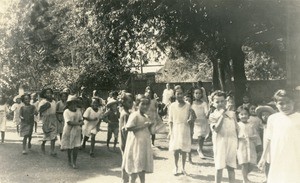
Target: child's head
47	93
18	100
197	94
263	112
168	85
127	100
179	93
252	109
244	115
64	96
218	98
72	102
284	101
26	99
246	99
112	105
143	103
95	104
188	98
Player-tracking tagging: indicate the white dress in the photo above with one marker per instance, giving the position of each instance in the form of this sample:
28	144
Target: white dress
71	136
3	112
247	146
180	138
49	120
201	127
284	134
138	155
167	94
16	109
89	127
225	142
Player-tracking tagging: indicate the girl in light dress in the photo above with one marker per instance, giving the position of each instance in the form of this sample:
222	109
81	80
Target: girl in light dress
248	135
127	103
201	126
27	113
71	136
224	127
138	155
92	118
47	110
283	134
180	135
3	113
15	108
188	99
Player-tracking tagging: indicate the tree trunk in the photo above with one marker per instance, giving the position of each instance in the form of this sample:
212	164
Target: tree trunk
216	81
238	60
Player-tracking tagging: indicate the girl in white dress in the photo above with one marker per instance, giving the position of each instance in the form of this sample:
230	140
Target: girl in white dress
138	155
283	134
180	135
3	112
247	143
92	118
71	136
224	127
201	126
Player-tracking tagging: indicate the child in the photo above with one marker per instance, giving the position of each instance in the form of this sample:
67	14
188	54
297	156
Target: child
224	128
180	135
201	128
138	155
111	116
127	103
72	130
283	134
152	113
247	143
189	100
92	118
15	108
263	112
47	110
60	107
34	101
27	113
3	113
256	122
246	103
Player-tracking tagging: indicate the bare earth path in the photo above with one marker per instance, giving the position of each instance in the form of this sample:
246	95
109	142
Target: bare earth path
105	167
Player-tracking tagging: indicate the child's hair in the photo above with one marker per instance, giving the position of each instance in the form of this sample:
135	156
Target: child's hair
282	93
140	98
244	109
218	93
178	87
23	97
124	97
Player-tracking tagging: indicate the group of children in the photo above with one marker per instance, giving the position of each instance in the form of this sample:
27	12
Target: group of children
236	135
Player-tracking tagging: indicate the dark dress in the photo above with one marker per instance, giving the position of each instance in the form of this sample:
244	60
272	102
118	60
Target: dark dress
27	112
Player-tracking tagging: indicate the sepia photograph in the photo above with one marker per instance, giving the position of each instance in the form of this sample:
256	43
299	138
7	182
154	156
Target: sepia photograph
156	91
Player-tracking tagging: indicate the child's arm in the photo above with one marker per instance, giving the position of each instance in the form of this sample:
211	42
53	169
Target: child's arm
216	127
21	113
44	107
192	117
136	128
263	158
105	117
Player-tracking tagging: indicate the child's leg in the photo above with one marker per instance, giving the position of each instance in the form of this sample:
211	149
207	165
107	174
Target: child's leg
2	136
183	156
153	138
244	172
142	177
267	168
17	128
176	158
60	136
231	174
24	144
29	141
70	156
93	141
43	146
75	153
116	131
219	175
200	148
85	139
35	126
109	135
133	177
53	147
125	176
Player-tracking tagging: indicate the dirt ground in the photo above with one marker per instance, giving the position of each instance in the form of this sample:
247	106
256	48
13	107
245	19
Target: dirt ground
104	167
